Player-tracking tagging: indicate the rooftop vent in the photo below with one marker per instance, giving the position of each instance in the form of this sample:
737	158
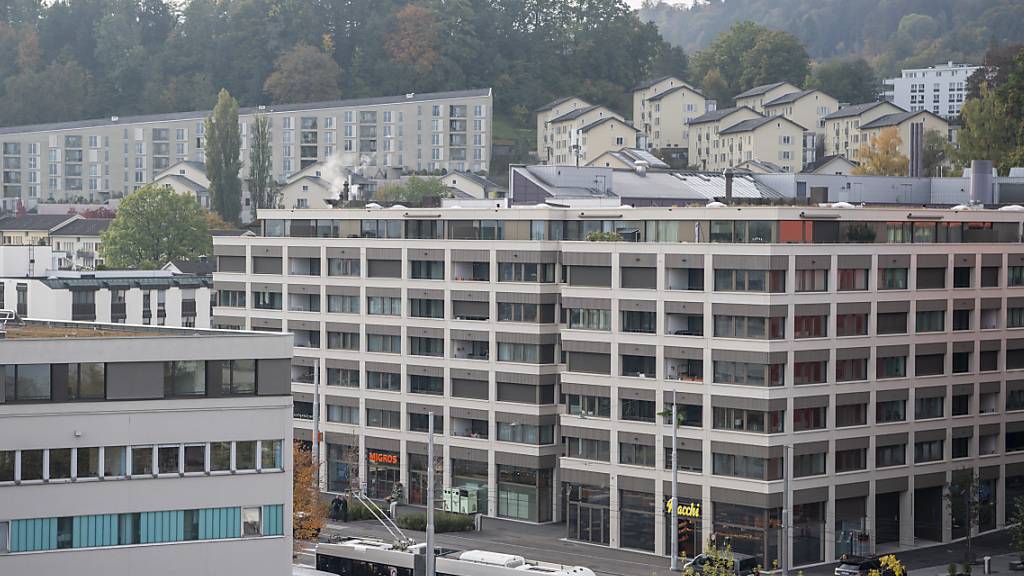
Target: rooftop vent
115	118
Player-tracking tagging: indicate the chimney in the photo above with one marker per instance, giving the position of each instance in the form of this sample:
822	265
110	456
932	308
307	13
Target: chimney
981	182
728	183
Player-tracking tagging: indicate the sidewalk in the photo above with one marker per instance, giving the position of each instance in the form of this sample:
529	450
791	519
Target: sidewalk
999	565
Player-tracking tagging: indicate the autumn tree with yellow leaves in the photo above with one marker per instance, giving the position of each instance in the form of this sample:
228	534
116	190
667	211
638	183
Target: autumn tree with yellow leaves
881	155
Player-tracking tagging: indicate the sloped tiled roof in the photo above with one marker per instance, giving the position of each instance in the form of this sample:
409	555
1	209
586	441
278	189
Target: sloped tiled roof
597	123
891	119
35	222
190	267
855	110
574	114
673	90
754	124
650	82
83	227
758	90
554	103
789	98
716	115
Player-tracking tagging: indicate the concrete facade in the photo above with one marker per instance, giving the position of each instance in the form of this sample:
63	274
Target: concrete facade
806	107
758	96
842	127
142	479
566	133
661	110
545	131
100	159
884	345
939	89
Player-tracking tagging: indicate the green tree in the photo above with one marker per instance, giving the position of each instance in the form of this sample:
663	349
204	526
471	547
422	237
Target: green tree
985	134
304	74
223	162
262	187
153	226
749	55
852	81
963	495
415	191
61	91
936	153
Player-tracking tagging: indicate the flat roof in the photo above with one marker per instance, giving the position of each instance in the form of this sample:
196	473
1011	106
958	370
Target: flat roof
29	329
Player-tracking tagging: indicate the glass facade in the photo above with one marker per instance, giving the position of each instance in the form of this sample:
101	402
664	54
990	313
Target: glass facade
587	513
636	520
524	493
472	476
752	531
689	526
418	478
383	473
342	467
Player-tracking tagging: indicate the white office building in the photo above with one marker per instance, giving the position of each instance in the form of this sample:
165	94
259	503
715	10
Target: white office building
140	450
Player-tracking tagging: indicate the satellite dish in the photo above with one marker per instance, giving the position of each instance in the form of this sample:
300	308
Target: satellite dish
373	205
1012	208
716	205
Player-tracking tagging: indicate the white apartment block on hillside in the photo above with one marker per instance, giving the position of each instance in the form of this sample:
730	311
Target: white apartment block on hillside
109	157
940	89
568	135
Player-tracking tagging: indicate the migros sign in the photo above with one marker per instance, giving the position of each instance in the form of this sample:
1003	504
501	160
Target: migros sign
691	510
382	458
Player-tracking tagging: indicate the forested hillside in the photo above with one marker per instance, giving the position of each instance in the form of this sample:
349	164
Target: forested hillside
890	33
92	58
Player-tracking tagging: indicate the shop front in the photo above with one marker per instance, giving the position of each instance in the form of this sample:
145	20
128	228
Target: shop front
637	509
808	531
383	467
929	506
525	485
586	500
689	522
852	519
749	523
470	473
988	482
1013	490
417	458
342	462
889	494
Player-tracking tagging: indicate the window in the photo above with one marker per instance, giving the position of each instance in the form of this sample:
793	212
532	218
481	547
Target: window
195	458
636	454
168	459
185	378
587	449
891	367
890	411
88	463
343	377
343	414
929	451
809	418
245	455
60	463
591	319
142	460
424	346
638	410
380	418
383	381
251	522
238	377
27	382
580	405
812	280
961	447
810	326
851	415
925	408
526	433
516	312
851	369
343	304
420	384
895	455
383	305
343	341
220	456
931	321
960	405
851	325
892	279
511	352
520	272
343	267
748	420
270	455
746	373
849	460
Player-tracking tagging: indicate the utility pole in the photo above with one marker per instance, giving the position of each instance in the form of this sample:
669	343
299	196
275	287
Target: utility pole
784	547
316	421
675	487
430	494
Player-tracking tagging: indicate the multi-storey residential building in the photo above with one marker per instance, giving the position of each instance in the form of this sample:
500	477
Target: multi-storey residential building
774	139
135	450
758	96
33	229
870	354
805	107
604	135
97	159
152	297
547	113
940	89
705	148
842	127
661	110
78	243
566	134
911	128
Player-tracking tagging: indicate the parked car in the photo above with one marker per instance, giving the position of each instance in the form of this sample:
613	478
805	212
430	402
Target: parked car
742	564
859	566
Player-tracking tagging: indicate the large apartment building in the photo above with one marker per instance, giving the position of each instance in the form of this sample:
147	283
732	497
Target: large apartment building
102	158
842	127
571	140
870	354
545	131
849	128
661	109
135	450
940	89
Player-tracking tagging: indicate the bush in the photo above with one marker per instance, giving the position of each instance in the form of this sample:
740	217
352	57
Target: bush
604	237
443	522
358	511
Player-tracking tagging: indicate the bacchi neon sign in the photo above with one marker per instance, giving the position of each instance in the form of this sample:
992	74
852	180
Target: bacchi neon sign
691	510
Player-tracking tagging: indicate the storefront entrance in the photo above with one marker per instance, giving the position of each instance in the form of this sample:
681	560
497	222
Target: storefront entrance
887	518
383	472
688	529
587	516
